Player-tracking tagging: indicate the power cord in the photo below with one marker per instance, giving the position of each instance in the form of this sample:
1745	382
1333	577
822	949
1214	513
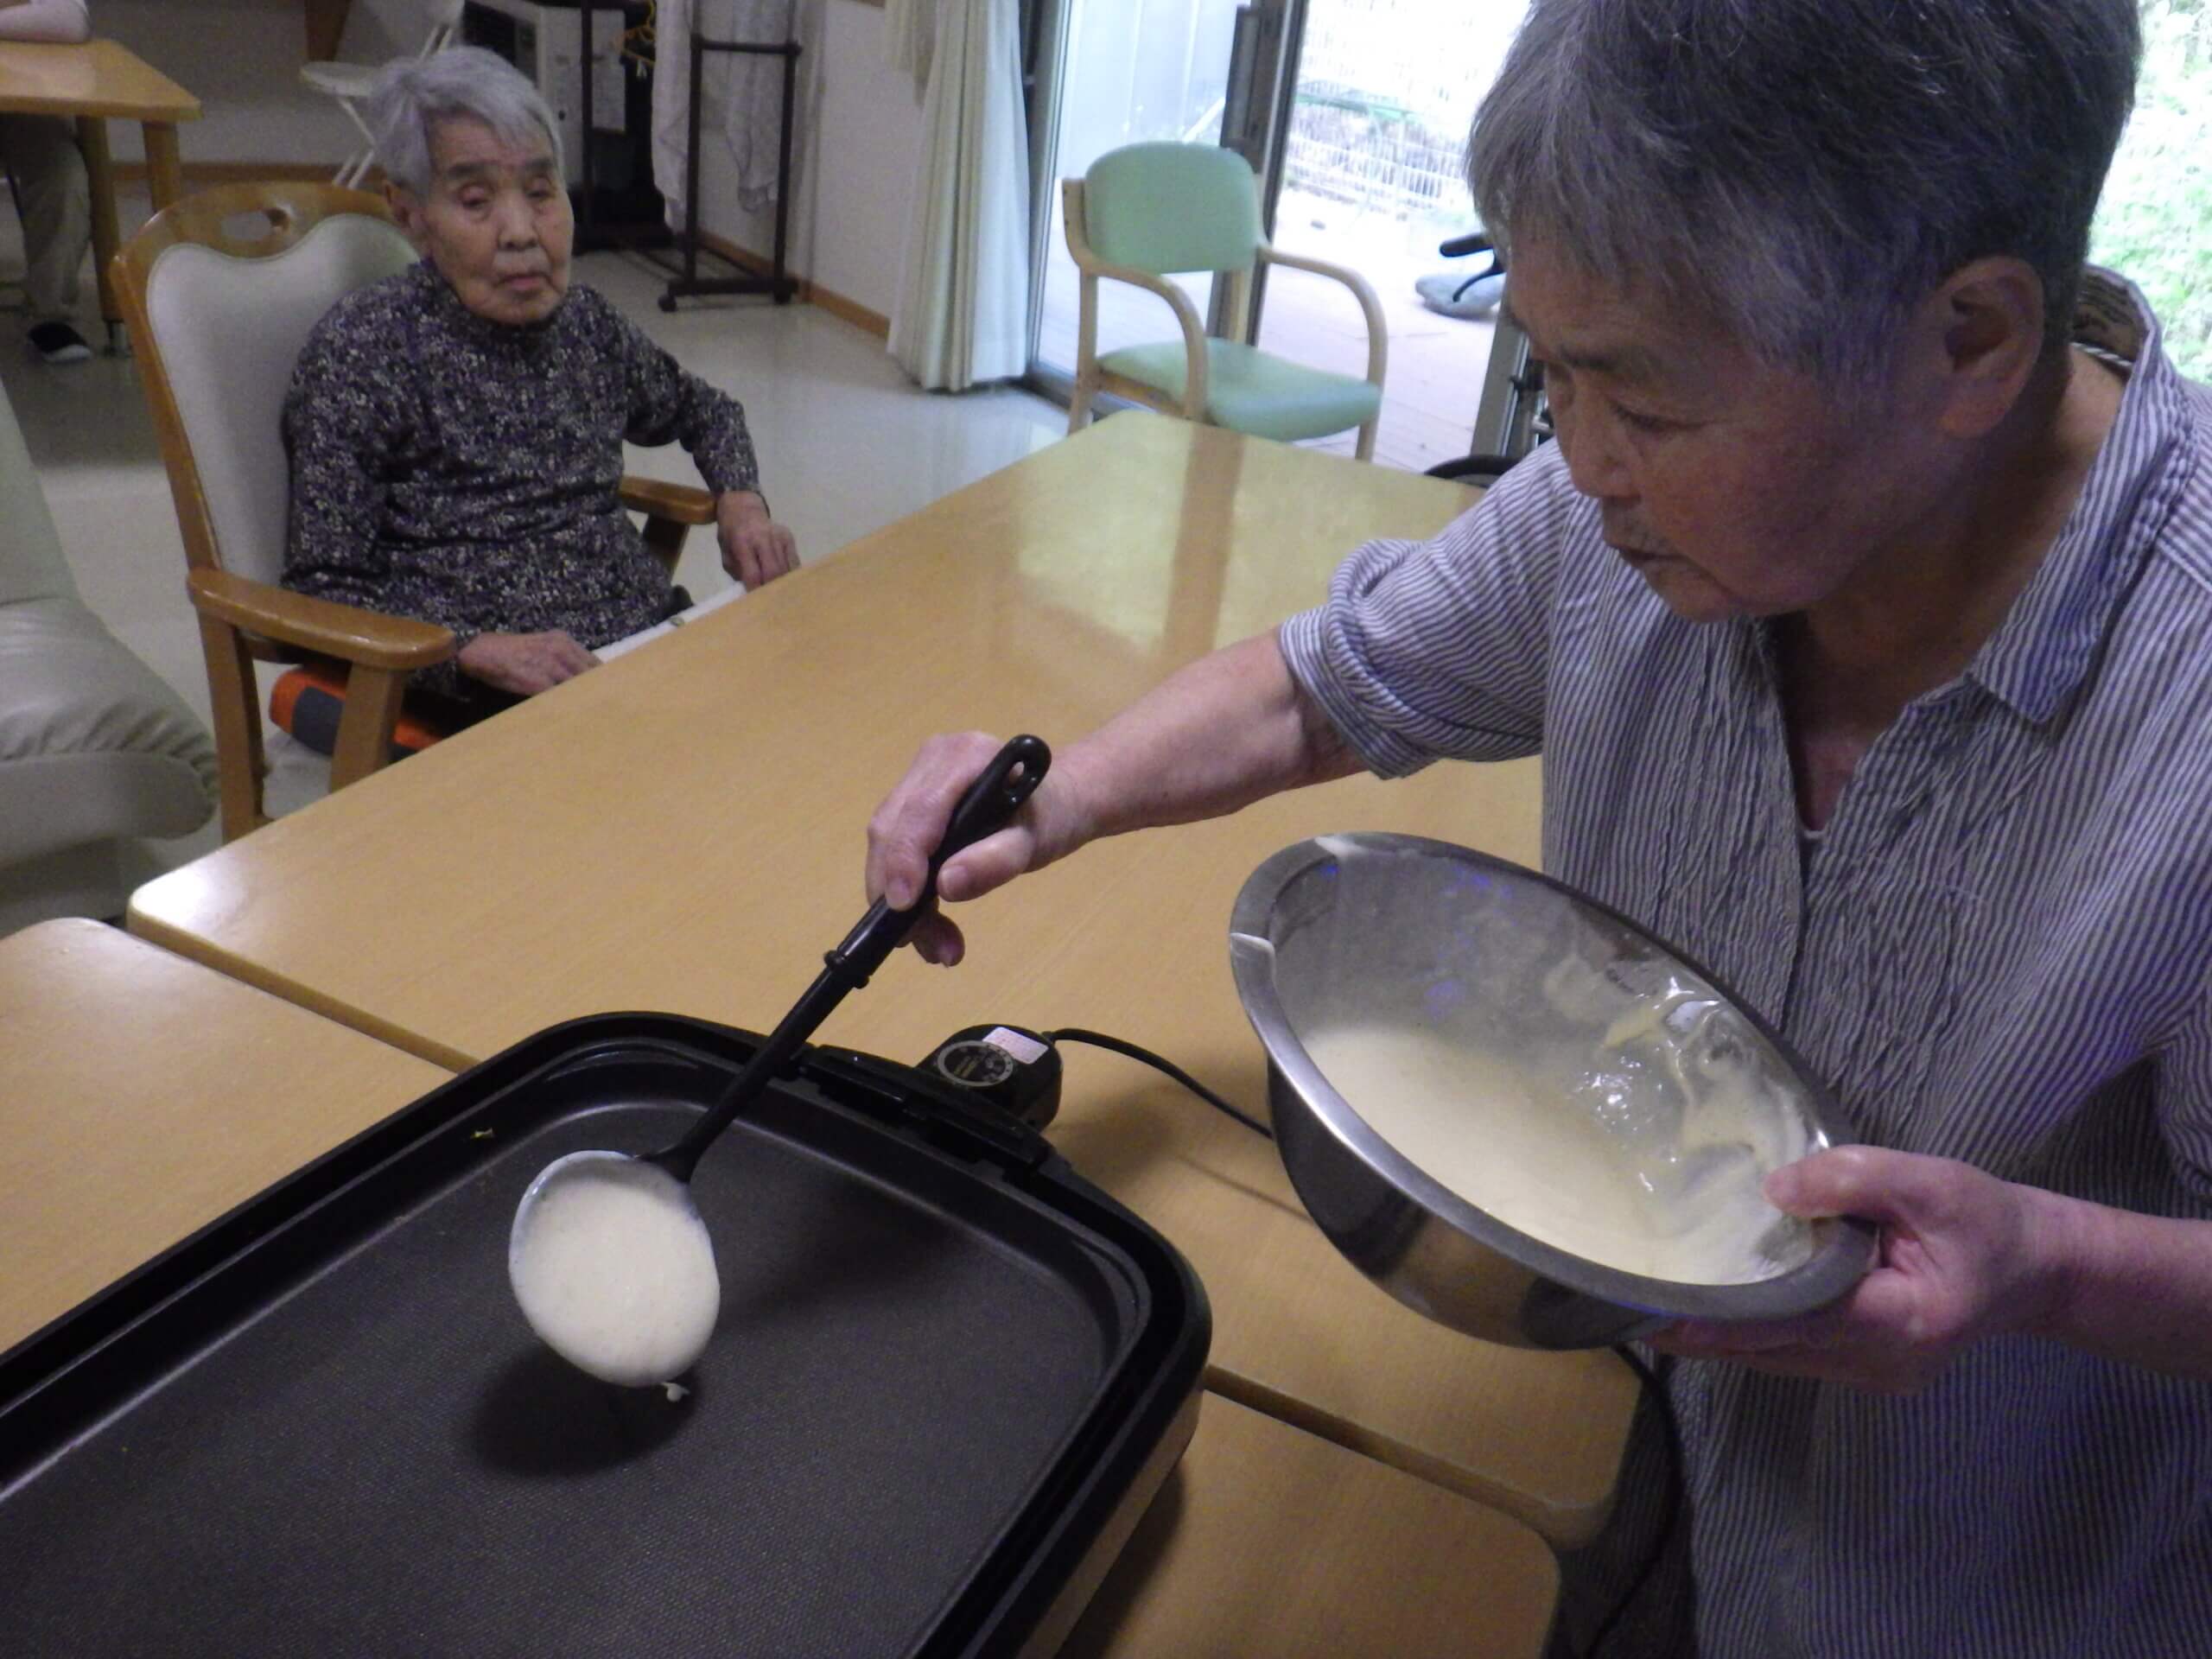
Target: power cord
1099	1040
1020	1070
1648	1380
1654	1389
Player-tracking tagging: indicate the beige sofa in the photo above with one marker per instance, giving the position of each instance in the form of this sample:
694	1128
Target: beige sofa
95	749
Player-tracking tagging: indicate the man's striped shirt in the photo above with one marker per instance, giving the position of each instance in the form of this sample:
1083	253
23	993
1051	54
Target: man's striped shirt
1999	951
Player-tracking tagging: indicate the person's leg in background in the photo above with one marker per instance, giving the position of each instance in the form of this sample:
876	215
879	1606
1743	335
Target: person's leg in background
56	198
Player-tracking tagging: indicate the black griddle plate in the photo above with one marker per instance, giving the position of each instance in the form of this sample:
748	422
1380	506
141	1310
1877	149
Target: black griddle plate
321	1426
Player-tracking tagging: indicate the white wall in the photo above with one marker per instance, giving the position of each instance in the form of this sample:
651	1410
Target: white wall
858	145
241	59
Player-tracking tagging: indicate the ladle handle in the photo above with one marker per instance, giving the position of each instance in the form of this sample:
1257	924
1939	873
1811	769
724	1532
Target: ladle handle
988	807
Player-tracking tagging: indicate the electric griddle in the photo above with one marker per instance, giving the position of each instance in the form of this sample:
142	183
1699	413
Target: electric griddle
948	1374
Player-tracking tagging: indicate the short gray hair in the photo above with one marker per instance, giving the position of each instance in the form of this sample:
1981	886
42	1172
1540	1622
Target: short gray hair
1804	171
414	94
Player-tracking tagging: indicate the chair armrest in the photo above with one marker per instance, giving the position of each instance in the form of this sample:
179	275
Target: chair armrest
322	626
1186	314
1378	332
680	504
1186	318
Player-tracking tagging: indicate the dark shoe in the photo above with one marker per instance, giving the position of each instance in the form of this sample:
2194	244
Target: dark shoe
57	342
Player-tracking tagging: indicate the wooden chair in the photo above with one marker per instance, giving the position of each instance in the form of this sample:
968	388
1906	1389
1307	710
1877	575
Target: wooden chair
1147	211
220	291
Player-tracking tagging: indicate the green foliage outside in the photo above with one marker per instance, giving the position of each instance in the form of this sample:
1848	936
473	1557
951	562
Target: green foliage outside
2154	224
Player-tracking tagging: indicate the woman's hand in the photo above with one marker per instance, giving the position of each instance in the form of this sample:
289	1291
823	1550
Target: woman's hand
525	663
1963	1256
755	548
1219	734
908	825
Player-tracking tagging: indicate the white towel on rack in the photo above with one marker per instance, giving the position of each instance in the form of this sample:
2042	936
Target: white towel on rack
910	37
742	95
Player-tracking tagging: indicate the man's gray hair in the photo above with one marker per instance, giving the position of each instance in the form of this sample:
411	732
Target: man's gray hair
1805	171
414	94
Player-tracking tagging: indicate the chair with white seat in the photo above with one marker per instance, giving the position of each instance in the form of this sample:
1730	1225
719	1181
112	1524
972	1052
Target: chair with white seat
95	750
349	83
1147	212
221	290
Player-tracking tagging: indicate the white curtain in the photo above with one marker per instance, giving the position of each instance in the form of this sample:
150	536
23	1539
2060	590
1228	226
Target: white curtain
741	97
962	312
909	31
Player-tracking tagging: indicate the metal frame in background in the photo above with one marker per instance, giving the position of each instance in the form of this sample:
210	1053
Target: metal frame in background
591	235
777	283
1266	141
1511	419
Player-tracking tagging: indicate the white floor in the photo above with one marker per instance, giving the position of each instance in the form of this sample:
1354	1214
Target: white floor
847	445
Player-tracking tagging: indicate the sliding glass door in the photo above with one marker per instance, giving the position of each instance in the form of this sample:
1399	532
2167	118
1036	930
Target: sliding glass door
1126	72
1355	115
1369	173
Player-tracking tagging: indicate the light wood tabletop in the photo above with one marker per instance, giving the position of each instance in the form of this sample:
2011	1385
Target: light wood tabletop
1267	1540
91	84
143	1095
682	829
96	77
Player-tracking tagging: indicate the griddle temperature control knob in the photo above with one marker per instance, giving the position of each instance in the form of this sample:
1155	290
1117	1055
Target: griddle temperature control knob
1017	1070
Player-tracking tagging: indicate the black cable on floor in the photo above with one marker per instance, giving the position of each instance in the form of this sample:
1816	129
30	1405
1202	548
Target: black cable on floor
1654	1389
1097	1040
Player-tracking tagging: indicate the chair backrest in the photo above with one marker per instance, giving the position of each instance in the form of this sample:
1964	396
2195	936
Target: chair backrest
31	563
222	292
1161	208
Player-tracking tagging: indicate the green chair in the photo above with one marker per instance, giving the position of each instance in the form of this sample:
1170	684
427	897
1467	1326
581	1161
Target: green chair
1148	210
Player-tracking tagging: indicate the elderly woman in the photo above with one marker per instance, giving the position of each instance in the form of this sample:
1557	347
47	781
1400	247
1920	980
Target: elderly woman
1862	615
456	431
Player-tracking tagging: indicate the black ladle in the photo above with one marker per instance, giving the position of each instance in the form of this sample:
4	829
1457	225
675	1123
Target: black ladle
987	806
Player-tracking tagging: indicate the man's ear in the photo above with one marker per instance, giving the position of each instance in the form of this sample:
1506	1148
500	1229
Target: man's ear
406	212
1981	332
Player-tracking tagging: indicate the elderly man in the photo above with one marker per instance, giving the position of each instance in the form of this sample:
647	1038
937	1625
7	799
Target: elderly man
1862	615
456	431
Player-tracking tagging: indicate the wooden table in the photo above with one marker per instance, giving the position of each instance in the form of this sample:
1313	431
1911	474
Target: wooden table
1267	1540
92	84
142	1095
682	829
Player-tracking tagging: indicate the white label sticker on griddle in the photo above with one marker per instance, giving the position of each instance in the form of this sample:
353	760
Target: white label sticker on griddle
1027	1050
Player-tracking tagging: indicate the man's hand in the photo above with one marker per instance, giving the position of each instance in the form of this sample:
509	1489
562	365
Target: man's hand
525	663
911	821
755	548
1963	1256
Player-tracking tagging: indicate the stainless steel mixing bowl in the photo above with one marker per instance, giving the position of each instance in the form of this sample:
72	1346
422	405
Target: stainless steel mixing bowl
1383	927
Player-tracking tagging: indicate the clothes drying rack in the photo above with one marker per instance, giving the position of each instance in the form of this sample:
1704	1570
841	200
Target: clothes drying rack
776	282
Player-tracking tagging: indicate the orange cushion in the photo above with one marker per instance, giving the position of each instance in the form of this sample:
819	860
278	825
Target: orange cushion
309	700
